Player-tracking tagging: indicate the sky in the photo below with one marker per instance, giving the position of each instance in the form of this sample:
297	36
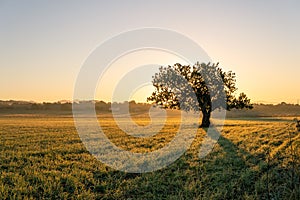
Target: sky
43	44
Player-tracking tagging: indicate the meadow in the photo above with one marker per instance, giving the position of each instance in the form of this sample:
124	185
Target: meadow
42	157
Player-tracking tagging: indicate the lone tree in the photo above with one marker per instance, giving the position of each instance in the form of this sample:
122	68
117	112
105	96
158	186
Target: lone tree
213	88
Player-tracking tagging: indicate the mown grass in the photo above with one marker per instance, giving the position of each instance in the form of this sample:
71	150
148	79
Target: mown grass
42	157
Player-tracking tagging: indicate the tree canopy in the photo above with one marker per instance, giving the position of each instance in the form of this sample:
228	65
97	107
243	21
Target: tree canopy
212	87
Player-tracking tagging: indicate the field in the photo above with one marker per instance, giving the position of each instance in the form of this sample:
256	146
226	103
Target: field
42	157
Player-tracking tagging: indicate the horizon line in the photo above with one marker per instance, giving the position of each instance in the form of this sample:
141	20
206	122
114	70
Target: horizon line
144	102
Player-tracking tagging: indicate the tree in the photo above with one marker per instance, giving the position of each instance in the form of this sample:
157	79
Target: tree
213	88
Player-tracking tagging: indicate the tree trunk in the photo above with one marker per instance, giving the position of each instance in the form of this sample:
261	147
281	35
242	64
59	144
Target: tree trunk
205	119
206	109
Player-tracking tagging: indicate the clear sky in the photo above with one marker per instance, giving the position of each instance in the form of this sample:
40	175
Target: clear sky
44	43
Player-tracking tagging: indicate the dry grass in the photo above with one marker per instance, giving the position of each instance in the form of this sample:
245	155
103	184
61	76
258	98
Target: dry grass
42	157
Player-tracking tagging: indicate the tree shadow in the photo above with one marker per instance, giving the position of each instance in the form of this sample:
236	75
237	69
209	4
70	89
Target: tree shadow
228	172
258	175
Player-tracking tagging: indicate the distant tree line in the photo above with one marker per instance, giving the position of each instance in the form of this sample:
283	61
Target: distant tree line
100	106
259	110
268	110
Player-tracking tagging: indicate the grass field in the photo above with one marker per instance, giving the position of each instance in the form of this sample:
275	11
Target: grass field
42	157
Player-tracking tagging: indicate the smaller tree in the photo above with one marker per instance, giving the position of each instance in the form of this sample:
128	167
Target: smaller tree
212	87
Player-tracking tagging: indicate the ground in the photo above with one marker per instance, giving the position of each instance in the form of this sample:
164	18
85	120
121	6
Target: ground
42	156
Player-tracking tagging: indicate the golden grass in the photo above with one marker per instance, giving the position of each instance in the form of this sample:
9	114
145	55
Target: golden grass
43	157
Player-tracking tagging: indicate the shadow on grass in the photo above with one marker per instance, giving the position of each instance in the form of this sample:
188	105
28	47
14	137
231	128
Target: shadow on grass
228	172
